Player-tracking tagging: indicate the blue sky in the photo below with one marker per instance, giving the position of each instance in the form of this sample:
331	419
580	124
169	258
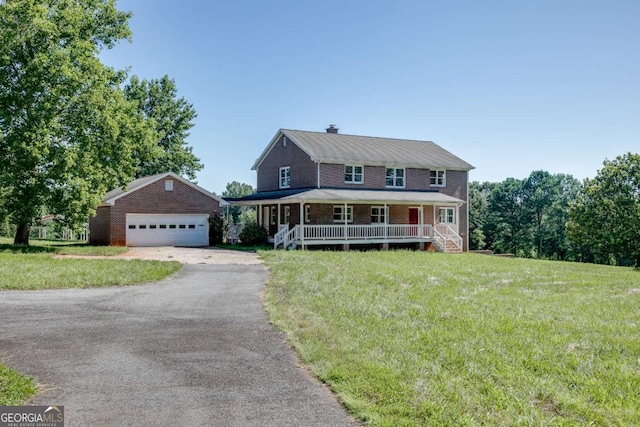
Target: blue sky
509	86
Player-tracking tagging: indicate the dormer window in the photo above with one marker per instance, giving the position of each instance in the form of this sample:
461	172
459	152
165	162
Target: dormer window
285	177
438	178
353	174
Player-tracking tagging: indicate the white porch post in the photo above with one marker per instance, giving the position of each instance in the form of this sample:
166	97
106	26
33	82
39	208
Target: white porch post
345	222
386	221
457	219
259	215
421	220
302	224
244	215
278	218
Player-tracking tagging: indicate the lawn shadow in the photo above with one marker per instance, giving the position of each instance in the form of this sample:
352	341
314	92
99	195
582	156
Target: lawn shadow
25	249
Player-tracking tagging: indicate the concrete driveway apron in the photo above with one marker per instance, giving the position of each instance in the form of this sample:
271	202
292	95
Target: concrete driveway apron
194	350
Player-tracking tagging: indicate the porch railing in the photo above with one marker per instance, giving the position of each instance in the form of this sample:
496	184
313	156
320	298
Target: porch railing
450	234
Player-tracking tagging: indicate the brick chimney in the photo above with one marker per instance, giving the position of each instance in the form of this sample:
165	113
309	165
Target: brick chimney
332	129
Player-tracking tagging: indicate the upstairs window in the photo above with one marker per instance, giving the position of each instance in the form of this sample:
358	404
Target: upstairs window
285	177
339	213
438	178
353	174
395	177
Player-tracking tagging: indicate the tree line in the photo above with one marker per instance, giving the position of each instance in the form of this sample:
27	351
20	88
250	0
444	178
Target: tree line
555	216
72	128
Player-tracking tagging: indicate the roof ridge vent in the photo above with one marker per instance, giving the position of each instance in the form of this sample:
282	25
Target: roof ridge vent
332	129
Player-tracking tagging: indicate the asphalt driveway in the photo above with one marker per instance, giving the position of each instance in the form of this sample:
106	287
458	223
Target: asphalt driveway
193	350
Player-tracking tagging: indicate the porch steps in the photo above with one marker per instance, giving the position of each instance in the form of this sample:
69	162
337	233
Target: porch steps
452	248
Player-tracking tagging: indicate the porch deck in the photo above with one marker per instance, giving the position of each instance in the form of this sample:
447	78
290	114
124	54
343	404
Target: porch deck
443	237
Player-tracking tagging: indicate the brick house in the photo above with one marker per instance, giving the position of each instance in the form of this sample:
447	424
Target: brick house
326	188
157	210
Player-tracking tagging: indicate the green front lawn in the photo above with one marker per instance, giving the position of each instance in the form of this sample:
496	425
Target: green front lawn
414	338
60	247
14	388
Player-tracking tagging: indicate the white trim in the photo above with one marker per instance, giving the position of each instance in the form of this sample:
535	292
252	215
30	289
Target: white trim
384	214
395	177
354	165
344	215
444	178
287	177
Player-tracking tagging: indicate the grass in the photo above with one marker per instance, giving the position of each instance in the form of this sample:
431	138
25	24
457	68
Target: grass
14	388
60	247
42	271
414	338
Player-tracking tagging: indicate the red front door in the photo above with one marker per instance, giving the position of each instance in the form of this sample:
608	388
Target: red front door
413	216
413	220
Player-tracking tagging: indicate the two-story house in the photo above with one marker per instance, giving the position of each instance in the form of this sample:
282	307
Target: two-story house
326	188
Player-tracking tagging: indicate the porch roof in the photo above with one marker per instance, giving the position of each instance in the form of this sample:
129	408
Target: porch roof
337	195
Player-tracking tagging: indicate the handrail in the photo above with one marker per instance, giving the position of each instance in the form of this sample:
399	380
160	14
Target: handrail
279	237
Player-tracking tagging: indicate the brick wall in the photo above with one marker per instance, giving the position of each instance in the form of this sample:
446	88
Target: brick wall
154	199
99	226
304	172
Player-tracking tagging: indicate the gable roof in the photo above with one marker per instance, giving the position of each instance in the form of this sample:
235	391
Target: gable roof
113	195
375	151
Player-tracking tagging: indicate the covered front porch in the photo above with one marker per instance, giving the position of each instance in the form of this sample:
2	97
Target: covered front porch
330	217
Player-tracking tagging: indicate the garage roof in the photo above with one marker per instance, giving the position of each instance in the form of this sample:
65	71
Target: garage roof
113	195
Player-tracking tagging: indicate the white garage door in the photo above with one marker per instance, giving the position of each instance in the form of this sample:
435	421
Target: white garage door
167	230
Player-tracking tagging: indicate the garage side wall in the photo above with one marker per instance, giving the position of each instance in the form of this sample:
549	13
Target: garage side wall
154	199
99	227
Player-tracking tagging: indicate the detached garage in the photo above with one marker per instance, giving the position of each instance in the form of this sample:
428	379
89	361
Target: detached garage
158	210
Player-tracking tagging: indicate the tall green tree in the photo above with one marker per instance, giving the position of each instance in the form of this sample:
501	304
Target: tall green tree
606	215
171	118
236	189
508	227
67	133
478	213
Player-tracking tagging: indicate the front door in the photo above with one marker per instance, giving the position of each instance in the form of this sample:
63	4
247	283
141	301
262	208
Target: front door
414	219
414	216
265	217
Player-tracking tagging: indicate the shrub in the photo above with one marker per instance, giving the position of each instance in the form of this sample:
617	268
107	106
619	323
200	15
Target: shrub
216	230
253	235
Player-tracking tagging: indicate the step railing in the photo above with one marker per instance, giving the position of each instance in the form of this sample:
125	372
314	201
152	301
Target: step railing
450	234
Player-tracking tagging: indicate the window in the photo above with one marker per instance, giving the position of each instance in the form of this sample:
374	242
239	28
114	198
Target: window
447	216
163	225
192	226
353	174
437	178
284	141
142	226
168	185
285	177
182	226
287	214
153	226
395	177
339	214
132	227
377	214
307	213
172	226
273	215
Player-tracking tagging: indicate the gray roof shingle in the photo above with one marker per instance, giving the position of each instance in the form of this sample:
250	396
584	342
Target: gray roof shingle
340	148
